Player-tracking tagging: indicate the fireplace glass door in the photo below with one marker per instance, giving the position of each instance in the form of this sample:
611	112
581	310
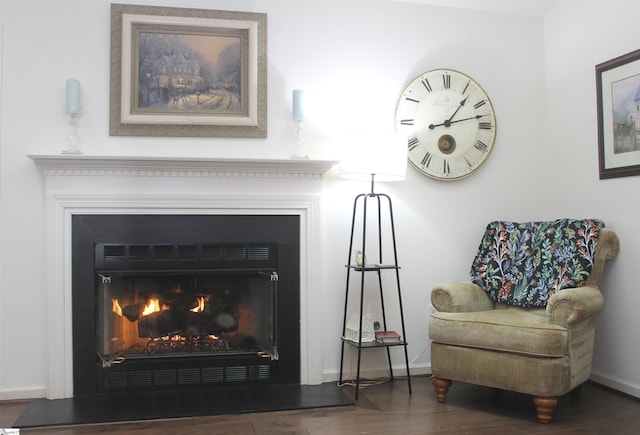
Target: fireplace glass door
144	315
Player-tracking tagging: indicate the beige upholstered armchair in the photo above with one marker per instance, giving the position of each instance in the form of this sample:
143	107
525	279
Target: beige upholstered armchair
526	320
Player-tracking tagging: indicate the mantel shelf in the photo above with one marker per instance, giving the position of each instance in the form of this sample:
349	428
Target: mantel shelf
81	164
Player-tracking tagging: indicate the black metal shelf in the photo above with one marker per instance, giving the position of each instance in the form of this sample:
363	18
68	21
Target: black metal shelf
372	267
361	200
373	344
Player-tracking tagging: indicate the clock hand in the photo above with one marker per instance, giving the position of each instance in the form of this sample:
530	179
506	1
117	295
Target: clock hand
466	119
459	106
448	123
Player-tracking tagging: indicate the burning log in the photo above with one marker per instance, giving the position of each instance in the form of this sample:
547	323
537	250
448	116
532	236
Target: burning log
132	312
227	322
158	324
201	324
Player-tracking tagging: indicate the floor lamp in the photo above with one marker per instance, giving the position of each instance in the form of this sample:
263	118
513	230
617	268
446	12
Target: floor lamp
372	156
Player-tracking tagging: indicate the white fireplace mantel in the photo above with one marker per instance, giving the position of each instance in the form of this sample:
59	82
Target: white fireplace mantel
80	164
83	184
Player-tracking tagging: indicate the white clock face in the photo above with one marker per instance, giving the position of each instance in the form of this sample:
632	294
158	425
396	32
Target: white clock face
450	123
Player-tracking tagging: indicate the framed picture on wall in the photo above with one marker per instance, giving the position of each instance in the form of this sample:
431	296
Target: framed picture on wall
187	72
618	93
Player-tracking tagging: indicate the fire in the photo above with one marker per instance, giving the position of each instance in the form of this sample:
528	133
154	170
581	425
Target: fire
152	306
115	307
200	307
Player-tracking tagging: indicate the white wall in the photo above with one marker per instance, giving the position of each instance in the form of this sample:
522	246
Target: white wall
352	58
579	35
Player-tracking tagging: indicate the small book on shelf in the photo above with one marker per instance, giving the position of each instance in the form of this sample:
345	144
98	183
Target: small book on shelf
387	337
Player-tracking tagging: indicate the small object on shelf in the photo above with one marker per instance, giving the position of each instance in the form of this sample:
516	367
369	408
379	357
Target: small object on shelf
360	260
385	265
351	332
387	337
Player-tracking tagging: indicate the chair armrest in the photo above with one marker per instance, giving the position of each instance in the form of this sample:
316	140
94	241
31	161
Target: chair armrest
460	296
570	306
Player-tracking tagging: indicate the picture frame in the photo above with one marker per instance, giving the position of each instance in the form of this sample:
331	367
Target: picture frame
618	105
187	72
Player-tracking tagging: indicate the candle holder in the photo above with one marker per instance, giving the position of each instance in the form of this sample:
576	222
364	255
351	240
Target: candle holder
73	108
73	142
299	145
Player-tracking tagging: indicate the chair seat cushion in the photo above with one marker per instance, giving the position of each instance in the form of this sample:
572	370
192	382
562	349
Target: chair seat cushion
511	330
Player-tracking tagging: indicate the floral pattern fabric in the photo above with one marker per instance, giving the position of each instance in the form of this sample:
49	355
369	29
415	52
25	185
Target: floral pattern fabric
524	264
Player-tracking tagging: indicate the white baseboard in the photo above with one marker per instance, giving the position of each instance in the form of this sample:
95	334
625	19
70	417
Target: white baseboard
376	373
22	394
618	384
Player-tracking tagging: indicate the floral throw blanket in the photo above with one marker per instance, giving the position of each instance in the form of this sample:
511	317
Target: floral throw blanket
524	264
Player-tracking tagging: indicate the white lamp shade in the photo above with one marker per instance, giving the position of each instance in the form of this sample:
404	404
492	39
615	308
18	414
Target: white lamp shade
383	154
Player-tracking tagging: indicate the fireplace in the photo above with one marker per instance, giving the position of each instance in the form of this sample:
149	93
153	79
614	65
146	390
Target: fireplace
143	185
184	301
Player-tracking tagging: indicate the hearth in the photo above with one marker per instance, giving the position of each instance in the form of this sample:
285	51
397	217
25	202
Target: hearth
184	301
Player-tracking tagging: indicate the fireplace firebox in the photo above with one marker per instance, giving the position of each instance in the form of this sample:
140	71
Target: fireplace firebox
184	301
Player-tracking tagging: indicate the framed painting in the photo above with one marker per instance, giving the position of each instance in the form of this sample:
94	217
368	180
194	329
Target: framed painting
187	72
618	93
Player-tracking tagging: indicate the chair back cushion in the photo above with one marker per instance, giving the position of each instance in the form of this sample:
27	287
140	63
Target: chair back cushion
524	264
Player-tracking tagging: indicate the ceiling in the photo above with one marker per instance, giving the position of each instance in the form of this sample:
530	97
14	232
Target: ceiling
532	8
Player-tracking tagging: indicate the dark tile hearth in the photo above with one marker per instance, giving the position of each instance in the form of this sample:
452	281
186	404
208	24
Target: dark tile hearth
118	407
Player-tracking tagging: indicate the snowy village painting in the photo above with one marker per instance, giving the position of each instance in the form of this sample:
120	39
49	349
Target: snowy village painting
187	72
618	88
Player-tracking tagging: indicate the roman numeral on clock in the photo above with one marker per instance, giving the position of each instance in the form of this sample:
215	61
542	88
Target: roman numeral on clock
485	126
413	143
480	146
426	160
445	167
446	81
480	104
427	85
406	122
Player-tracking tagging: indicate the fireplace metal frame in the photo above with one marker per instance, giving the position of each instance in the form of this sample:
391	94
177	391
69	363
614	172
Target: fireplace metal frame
89	230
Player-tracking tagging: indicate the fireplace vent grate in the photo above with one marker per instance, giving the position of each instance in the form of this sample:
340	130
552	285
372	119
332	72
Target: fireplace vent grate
164	377
186	376
189	376
236	373
211	375
140	378
110	256
116	380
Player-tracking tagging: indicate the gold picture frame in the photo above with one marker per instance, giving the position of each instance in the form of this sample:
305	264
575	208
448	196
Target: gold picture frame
187	72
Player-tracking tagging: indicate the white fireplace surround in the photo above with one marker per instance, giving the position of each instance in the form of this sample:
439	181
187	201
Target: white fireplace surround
79	184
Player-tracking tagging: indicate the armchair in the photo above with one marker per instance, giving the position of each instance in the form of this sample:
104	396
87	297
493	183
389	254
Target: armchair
525	321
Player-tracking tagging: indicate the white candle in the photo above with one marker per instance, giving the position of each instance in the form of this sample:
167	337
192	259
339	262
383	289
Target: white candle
73	97
298	106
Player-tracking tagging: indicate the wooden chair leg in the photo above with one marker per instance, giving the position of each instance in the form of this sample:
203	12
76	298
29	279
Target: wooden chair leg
545	407
442	388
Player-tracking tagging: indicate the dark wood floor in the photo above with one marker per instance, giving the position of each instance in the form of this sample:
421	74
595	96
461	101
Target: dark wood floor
388	409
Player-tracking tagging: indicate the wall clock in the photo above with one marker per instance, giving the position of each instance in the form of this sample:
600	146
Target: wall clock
450	123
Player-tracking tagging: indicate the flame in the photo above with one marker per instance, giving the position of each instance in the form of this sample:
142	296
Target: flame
115	307
152	306
200	307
